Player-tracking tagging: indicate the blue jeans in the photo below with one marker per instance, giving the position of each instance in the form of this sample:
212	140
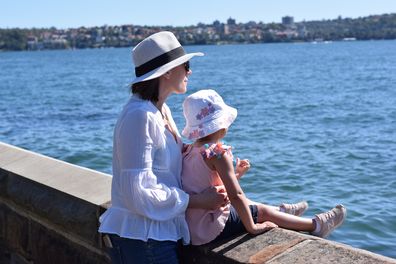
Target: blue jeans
127	250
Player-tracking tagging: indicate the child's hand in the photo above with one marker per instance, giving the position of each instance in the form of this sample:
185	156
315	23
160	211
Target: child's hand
262	227
241	167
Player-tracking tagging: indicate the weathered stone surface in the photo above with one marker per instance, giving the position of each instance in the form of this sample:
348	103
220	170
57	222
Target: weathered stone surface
3	213
50	247
17	232
3	175
245	248
5	256
263	246
51	202
28	240
271	251
89	185
280	246
9	154
198	255
65	212
326	252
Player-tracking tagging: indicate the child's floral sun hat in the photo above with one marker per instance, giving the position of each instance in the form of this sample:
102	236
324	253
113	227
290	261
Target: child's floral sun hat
205	113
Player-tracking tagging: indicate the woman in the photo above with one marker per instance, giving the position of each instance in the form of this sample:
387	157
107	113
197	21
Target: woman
147	216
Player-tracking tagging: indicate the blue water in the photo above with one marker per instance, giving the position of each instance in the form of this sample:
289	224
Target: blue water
317	121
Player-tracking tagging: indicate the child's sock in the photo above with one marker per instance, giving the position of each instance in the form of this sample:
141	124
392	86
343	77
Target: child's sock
317	226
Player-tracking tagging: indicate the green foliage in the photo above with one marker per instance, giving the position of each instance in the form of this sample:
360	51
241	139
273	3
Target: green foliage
12	39
372	27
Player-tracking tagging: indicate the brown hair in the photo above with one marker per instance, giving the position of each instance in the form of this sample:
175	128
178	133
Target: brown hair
209	137
147	90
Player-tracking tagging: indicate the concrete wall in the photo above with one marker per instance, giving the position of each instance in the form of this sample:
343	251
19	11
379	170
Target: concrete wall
49	209
49	213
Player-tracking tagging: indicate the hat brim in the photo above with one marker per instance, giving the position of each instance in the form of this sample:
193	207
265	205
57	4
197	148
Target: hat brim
224	120
166	67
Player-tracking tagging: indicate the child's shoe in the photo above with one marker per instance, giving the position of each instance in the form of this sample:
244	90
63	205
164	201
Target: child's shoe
295	209
330	220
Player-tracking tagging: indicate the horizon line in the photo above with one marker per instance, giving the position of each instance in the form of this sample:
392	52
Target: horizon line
129	24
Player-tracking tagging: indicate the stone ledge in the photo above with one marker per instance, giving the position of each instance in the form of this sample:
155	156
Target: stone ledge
88	185
58	211
280	246
53	203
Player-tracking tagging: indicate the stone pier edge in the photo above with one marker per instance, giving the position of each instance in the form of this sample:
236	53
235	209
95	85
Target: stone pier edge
49	212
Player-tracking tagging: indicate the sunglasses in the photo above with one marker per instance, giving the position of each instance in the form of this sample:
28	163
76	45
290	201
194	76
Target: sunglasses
187	66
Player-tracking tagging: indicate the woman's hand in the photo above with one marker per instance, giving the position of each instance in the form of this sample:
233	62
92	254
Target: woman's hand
262	227
241	167
216	197
211	199
185	147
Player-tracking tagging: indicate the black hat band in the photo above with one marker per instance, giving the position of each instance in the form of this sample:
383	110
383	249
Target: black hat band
159	61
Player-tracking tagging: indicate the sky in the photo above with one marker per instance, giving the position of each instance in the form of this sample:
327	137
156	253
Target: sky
76	13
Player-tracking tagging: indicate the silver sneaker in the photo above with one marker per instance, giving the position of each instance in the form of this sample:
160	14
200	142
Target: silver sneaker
295	209
330	220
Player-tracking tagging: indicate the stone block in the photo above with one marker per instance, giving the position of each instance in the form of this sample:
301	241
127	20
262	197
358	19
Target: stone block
62	211
261	246
3	179
244	248
48	247
18	259
86	184
4	211
5	255
17	232
249	248
327	252
10	154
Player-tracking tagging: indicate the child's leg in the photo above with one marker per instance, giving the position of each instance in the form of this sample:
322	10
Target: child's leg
256	203
295	209
268	213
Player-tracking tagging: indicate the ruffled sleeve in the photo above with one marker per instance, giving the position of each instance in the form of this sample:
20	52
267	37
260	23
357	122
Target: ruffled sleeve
209	151
137	139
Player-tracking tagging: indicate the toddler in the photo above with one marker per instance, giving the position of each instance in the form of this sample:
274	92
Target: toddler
207	163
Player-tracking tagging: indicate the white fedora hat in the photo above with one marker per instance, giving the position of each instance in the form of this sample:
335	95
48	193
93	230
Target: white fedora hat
157	54
205	113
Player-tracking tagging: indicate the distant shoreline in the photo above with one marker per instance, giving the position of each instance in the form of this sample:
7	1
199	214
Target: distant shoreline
222	44
375	27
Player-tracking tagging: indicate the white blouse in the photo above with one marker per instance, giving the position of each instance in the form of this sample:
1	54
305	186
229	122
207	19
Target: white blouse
147	200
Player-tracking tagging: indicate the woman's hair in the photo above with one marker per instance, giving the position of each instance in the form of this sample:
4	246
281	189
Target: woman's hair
147	90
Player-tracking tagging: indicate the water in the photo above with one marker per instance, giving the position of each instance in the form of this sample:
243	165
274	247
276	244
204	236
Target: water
317	121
